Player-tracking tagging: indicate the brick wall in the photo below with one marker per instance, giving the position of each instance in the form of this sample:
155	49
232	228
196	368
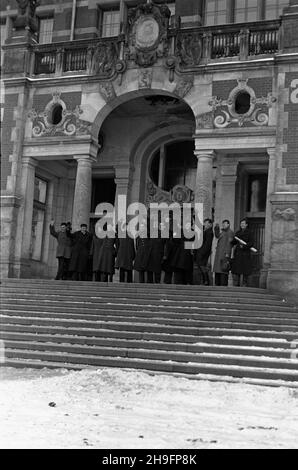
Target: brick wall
71	100
290	135
8	123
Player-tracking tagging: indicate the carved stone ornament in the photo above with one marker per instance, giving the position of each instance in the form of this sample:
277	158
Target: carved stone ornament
205	121
70	123
179	194
286	214
26	18
102	59
145	78
184	86
226	114
107	91
147	33
189	49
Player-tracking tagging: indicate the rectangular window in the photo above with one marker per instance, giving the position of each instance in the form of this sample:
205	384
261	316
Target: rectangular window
110	23
46	30
246	10
215	12
274	8
39	208
3	36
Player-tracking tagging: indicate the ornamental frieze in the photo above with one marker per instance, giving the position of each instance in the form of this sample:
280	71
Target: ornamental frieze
70	123
241	107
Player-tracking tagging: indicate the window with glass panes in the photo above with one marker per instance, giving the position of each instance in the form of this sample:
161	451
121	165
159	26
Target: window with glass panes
242	11
3	35
215	12
46	30
274	8
110	23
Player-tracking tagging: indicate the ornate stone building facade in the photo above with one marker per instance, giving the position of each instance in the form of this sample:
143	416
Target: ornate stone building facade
160	101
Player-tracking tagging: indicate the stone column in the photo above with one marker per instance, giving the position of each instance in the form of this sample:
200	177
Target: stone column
27	190
204	181
268	220
123	184
228	196
82	196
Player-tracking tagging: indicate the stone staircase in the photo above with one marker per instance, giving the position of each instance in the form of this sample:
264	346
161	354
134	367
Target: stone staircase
212	333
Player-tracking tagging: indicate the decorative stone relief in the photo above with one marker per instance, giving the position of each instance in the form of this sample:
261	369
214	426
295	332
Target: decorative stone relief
26	17
205	121
255	115
70	123
147	35
286	214
107	91
184	86
189	49
102	59
145	78
180	194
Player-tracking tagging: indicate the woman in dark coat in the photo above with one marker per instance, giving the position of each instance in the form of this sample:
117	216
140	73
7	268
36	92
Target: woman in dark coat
242	261
81	244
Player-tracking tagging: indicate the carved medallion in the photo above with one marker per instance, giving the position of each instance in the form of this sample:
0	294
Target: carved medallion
147	32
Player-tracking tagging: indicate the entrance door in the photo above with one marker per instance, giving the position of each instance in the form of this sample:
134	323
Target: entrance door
253	196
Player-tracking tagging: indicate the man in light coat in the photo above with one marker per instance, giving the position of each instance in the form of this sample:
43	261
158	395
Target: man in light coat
63	252
223	253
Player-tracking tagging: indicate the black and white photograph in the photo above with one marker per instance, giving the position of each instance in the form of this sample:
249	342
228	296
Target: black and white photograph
149	228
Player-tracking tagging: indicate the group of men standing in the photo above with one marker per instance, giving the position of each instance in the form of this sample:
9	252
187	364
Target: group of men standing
80	252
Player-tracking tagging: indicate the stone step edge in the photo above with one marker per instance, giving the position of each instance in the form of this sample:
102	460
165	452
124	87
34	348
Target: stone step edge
176	294
51	309
228	331
133	285
98	324
30	363
187	356
157	363
78	314
136	344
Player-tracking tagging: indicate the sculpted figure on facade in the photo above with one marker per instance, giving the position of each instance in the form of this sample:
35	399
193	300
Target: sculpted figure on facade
26	15
189	49
104	58
107	91
145	78
184	86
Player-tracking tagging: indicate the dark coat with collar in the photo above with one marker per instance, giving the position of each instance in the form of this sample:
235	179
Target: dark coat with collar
223	248
64	243
242	260
80	251
202	255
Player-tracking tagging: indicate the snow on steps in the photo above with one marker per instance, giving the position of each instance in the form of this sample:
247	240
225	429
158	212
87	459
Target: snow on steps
208	333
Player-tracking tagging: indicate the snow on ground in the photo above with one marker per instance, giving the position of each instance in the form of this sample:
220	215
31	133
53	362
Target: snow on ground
125	409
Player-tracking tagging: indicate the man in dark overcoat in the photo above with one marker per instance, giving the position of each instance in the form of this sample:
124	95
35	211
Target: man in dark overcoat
223	252
143	253
125	256
201	256
81	246
95	252
155	261
242	260
63	252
